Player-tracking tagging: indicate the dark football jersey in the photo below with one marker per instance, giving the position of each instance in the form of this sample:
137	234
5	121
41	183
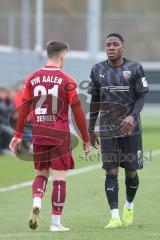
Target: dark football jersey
118	88
51	92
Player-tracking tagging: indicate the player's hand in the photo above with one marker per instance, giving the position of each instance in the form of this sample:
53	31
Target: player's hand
15	144
94	140
86	148
127	125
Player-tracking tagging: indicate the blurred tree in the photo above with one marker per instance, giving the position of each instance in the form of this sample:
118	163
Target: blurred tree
77	6
65	6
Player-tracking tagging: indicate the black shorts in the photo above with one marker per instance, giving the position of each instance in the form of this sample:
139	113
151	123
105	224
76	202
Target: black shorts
125	152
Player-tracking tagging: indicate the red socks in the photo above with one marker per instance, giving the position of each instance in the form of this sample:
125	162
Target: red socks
39	186
58	196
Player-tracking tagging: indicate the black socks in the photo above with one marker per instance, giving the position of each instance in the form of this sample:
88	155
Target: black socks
111	188
131	187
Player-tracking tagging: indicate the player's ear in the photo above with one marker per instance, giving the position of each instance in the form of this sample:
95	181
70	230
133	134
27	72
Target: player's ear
62	56
123	48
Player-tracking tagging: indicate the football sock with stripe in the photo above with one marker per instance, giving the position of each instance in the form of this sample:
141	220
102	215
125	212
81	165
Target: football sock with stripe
39	186
38	190
58	200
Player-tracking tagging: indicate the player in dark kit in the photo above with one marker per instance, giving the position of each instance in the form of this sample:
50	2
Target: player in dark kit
49	92
118	87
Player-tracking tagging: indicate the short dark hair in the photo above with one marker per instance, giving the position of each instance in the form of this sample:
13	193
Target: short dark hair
117	35
55	47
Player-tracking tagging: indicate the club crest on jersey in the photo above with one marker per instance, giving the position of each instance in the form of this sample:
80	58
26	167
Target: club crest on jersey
126	74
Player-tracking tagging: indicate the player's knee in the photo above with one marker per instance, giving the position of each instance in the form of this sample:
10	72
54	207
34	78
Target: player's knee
130	173
59	175
43	172
113	172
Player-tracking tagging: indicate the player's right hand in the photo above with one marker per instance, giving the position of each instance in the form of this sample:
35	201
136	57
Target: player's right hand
94	140
15	144
86	148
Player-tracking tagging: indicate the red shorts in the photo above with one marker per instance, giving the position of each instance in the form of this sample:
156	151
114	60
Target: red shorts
55	157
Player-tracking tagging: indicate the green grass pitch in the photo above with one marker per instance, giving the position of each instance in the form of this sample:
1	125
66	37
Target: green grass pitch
86	211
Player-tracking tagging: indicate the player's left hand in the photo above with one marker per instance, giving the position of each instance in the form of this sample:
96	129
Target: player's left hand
15	144
127	125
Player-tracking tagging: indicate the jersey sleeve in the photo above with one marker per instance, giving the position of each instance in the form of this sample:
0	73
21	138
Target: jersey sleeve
24	109
23	112
72	92
26	90
141	84
93	88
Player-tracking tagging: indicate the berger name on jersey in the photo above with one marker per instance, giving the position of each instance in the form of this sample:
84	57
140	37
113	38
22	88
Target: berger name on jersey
46	118
46	79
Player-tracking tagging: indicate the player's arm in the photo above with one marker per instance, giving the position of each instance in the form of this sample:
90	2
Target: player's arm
138	106
79	117
128	122
81	124
94	110
141	88
23	112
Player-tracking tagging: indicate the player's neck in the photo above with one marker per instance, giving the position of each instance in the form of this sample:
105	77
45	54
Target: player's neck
53	63
116	63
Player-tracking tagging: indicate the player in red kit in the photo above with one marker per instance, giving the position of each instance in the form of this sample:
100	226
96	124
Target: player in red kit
49	92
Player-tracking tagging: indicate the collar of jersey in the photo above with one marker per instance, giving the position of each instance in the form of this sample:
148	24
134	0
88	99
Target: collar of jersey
51	68
124	61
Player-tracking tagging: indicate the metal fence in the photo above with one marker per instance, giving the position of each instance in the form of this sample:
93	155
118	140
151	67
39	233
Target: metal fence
142	33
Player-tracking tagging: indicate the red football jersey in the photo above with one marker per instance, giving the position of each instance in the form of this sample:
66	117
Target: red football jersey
51	92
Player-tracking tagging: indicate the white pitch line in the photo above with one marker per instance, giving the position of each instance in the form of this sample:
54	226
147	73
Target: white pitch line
155	153
70	173
74	172
47	234
27	234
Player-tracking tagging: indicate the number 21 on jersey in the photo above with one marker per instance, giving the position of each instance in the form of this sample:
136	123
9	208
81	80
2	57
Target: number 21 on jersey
39	110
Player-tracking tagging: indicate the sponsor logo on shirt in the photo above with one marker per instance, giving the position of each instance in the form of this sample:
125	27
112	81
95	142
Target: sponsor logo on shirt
117	88
126	74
